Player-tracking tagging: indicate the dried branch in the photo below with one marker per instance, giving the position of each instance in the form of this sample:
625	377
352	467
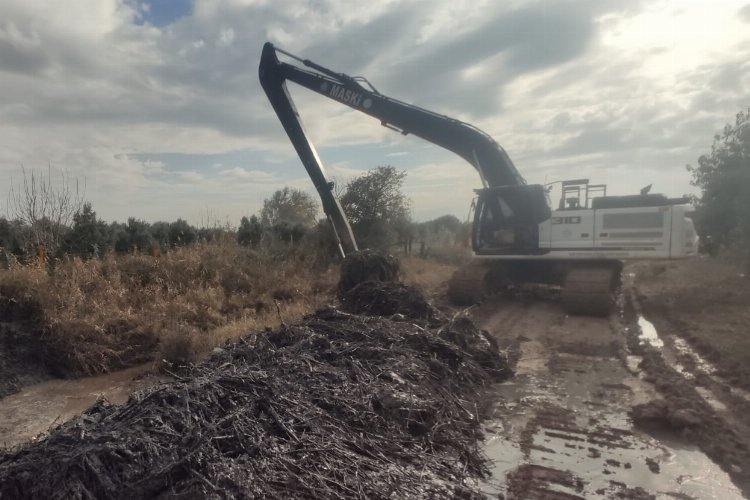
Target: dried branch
337	406
44	206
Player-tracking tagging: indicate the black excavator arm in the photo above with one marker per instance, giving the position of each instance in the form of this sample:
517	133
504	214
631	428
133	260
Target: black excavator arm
476	147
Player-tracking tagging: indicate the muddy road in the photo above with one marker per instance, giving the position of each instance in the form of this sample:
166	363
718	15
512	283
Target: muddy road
562	428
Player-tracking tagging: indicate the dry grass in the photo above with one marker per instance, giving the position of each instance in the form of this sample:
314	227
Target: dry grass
98	315
428	275
94	316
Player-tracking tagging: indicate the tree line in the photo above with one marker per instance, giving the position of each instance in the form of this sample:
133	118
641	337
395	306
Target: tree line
58	222
88	236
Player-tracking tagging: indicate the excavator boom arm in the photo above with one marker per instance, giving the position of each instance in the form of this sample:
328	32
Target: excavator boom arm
476	147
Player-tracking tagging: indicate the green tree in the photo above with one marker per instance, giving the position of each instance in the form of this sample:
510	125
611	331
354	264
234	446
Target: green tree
10	236
319	248
181	233
11	240
448	224
406	231
288	233
160	234
89	236
444	231
250	231
290	206
119	237
375	205
138	235
723	175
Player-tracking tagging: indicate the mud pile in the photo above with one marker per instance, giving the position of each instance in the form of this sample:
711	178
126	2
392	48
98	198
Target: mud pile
339	405
366	265
387	299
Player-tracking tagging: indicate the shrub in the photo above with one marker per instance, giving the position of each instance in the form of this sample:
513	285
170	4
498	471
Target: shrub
182	345
100	314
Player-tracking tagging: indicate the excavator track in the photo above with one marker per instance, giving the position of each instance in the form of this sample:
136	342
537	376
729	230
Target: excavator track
590	290
468	285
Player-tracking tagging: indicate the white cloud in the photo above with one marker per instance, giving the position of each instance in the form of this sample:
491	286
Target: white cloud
254	176
226	36
619	91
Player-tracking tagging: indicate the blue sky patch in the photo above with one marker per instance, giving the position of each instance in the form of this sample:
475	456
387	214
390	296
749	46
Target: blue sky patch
163	12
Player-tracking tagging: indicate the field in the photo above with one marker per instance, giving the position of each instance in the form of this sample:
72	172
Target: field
86	317
652	402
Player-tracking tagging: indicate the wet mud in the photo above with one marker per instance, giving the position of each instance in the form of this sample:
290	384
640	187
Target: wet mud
563	427
695	403
33	410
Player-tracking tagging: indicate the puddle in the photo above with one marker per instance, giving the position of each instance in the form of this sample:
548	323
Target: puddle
709	398
574	422
705	367
633	363
534	356
505	456
648	333
700	362
30	412
740	392
676	366
680	349
560	428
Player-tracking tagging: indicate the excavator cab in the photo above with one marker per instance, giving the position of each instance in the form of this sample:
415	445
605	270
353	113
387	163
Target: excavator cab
507	218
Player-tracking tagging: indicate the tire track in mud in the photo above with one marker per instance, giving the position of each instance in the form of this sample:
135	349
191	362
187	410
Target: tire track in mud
703	408
560	429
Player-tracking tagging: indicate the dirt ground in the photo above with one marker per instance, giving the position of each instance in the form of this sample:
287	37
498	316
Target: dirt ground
647	403
701	311
652	402
705	301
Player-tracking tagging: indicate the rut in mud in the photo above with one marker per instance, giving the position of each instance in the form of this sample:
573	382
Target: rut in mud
338	405
694	402
562	427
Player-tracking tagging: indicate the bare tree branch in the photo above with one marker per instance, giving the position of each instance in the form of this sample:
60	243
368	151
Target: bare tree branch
44	206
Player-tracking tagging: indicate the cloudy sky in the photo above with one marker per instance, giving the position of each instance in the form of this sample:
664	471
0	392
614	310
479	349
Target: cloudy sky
157	105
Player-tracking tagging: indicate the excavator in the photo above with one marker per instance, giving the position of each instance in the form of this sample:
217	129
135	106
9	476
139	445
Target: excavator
517	238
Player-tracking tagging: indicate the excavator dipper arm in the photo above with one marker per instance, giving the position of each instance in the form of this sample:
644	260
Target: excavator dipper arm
273	78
